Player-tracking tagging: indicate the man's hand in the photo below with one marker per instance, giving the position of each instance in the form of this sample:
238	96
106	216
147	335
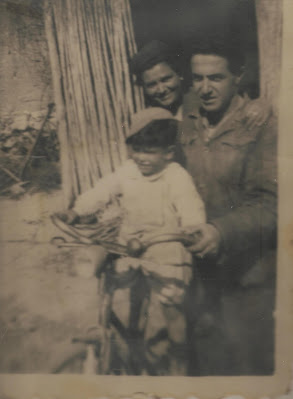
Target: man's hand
69	217
257	112
208	241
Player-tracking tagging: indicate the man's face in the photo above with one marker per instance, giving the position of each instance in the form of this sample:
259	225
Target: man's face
162	85
214	83
150	160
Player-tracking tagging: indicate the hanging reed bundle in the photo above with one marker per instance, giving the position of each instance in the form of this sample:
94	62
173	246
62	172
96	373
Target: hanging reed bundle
90	43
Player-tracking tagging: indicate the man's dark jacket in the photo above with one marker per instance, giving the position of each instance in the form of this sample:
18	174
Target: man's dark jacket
235	171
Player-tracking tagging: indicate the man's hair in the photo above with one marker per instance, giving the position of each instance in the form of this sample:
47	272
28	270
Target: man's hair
160	133
223	47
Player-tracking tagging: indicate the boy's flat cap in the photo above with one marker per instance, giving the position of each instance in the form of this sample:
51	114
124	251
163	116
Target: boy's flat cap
146	116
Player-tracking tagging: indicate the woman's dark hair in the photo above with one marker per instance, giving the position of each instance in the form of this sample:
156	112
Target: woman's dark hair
153	53
159	133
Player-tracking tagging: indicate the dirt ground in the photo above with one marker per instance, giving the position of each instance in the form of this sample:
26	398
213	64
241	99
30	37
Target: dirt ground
46	297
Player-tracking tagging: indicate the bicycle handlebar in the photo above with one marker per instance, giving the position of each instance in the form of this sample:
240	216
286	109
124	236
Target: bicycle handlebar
134	247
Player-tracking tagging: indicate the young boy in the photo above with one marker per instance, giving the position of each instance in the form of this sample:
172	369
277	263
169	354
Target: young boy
157	197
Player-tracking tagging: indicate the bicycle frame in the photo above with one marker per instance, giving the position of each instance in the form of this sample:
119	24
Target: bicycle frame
107	284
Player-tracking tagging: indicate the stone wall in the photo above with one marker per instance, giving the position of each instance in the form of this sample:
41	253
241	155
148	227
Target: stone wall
25	80
25	87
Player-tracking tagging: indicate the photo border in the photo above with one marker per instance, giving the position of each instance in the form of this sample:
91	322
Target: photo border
84	386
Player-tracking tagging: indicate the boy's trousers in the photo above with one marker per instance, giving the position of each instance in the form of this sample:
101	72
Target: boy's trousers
157	308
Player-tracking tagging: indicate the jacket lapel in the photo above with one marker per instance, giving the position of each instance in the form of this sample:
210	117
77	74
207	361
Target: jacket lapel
194	123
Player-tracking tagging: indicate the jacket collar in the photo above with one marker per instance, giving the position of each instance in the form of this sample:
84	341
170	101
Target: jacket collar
232	119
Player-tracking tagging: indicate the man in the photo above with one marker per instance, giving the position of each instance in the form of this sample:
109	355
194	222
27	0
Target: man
226	173
234	169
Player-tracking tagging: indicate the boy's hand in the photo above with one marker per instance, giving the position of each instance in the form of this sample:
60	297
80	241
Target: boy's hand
69	217
208	241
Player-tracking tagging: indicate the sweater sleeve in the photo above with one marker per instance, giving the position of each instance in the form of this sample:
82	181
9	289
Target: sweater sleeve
107	187
253	222
186	199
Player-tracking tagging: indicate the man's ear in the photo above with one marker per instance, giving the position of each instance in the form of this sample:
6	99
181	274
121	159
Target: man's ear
169	153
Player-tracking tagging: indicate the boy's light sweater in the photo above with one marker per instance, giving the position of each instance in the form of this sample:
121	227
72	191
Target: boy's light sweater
166	202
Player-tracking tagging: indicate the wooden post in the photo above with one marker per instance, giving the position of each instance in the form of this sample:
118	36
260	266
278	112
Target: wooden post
269	26
66	170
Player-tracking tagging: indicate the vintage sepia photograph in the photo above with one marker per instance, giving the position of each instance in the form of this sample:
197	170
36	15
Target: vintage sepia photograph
144	180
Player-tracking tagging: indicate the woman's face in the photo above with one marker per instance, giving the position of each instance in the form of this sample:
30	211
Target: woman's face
162	85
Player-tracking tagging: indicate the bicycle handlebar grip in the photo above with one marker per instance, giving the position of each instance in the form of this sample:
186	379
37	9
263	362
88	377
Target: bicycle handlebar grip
135	248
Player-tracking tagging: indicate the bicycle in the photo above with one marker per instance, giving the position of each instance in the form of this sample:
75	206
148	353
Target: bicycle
100	355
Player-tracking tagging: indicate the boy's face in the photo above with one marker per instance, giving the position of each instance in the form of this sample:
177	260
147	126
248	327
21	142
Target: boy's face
151	160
